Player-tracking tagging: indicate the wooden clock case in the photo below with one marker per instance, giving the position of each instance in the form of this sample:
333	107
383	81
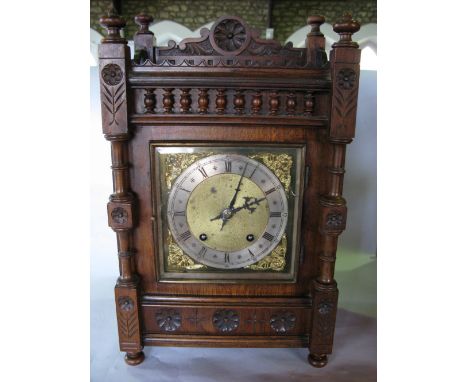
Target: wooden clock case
228	86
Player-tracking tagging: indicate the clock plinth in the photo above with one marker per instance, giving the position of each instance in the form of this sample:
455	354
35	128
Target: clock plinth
228	159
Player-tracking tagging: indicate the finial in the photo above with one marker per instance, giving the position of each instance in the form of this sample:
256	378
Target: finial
113	23
345	27
315	21
144	21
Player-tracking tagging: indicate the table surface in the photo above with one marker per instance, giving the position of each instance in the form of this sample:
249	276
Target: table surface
353	359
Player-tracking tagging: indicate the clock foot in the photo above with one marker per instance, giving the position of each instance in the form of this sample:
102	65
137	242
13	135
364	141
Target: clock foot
134	359
318	360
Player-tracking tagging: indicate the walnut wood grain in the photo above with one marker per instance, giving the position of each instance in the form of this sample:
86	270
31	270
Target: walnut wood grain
215	90
344	68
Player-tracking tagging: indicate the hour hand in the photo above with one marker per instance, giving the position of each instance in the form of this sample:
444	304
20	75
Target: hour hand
220	216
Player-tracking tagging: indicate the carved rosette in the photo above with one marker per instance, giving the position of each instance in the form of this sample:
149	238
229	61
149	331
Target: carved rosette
168	320
112	74
226	320
230	35
325	307
334	220
346	78
126	304
119	215
282	322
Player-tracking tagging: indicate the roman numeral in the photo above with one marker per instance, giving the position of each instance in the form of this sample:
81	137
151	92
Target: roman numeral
184	236
251	254
226	257
275	214
228	165
202	253
179	213
268	236
203	172
270	191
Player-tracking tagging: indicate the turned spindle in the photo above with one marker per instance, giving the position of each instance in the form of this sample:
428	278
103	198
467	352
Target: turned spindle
185	101
256	102
291	103
150	101
274	103
239	102
168	100
309	103
203	101
221	101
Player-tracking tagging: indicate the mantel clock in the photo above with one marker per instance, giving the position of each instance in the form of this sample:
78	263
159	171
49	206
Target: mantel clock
228	158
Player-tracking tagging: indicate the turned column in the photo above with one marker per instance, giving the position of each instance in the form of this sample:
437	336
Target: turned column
143	39
315	42
344	61
114	58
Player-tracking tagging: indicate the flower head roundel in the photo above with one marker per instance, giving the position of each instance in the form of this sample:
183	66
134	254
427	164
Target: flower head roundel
112	74
229	36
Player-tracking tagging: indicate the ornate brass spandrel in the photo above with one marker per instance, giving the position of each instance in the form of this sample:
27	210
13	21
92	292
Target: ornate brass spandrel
275	261
177	260
176	163
280	164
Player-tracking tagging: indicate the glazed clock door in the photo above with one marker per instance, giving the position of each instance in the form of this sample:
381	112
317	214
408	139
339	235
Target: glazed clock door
227	212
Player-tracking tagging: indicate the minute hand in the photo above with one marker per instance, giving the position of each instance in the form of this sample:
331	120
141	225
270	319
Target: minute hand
233	201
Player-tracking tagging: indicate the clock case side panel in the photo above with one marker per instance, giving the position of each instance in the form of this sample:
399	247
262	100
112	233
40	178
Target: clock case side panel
114	60
344	59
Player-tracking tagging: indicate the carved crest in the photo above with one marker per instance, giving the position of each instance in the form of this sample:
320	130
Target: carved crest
229	43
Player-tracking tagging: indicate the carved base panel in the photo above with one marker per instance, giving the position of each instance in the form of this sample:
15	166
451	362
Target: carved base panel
226	341
168	322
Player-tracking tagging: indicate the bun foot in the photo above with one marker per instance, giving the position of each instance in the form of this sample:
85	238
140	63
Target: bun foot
318	360
134	359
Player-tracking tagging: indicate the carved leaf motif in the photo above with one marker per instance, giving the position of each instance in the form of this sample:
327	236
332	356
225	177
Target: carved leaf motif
324	321
128	323
344	105
113	100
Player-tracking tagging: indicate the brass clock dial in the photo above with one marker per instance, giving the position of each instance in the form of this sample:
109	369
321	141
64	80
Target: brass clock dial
227	211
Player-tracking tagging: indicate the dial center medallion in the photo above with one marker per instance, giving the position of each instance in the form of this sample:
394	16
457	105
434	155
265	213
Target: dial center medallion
227	213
